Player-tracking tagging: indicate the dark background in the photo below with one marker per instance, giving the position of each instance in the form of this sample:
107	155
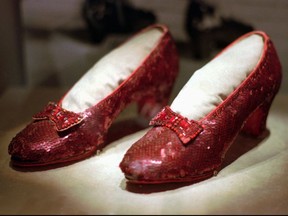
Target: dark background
47	42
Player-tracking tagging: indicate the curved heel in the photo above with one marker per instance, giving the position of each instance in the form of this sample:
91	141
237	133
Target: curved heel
160	83
150	105
255	125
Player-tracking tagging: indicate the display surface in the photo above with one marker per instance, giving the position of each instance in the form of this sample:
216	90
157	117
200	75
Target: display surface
254	179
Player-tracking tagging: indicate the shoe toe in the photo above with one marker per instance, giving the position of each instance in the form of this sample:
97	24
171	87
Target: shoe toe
38	143
160	157
156	157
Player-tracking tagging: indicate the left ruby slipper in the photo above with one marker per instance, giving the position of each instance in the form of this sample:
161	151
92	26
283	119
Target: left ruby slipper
141	70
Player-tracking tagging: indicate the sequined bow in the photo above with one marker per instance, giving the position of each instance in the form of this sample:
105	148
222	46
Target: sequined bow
185	129
63	119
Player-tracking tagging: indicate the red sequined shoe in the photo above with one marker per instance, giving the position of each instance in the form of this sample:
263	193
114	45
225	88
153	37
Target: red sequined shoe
188	140
142	70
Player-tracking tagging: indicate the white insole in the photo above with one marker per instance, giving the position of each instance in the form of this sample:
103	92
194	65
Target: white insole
211	84
104	77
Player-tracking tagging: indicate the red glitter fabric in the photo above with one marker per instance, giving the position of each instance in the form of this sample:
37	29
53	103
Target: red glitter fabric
59	136
63	119
185	129
160	156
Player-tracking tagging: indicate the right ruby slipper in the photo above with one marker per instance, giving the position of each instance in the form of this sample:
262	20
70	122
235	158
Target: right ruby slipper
232	93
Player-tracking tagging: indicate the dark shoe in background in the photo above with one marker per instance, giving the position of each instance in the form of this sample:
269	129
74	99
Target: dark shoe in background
209	32
104	17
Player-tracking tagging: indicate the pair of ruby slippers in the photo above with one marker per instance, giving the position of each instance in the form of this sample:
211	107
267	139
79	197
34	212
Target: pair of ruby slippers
187	140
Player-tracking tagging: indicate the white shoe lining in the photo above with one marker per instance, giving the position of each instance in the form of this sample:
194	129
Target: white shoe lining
211	84
106	75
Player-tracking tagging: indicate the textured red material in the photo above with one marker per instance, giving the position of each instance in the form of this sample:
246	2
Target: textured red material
185	129
63	119
59	136
160	156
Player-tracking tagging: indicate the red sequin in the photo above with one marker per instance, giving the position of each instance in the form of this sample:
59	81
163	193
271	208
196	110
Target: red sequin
63	119
185	129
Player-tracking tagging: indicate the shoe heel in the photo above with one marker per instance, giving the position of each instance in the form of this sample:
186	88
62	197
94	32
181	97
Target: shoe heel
159	83
149	106
255	125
